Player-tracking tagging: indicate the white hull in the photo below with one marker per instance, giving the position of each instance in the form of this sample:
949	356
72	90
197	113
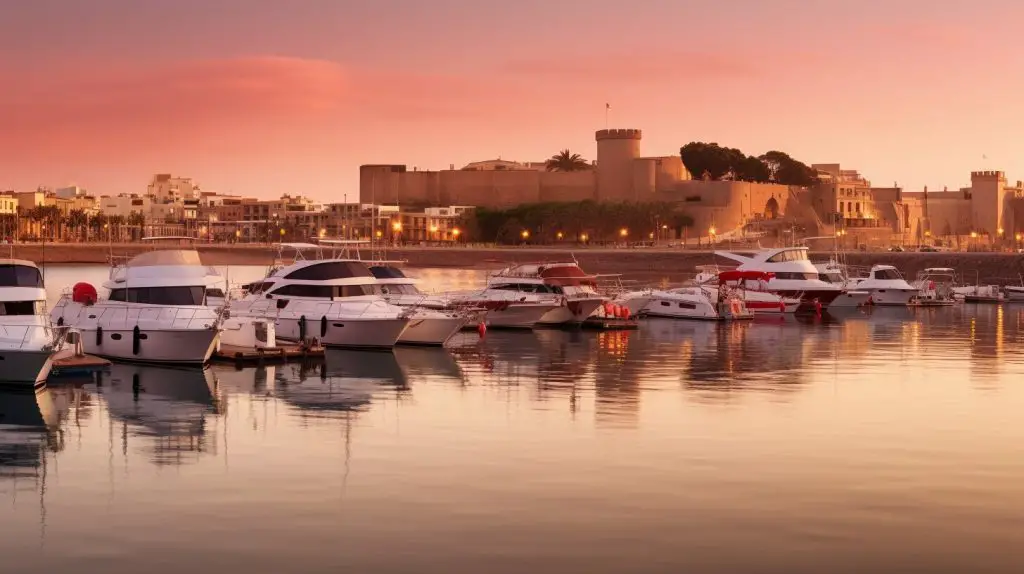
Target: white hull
521	316
892	297
345	332
1014	293
850	300
572	312
433	331
251	332
28	369
170	346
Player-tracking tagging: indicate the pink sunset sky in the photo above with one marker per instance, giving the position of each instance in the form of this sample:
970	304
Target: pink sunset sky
263	97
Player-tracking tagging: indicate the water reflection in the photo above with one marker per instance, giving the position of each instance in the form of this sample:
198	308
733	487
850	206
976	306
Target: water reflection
171	409
878	434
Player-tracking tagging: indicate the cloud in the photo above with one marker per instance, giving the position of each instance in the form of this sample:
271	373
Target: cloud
175	104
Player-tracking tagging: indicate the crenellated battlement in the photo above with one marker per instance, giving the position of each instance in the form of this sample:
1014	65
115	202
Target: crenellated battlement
988	175
617	134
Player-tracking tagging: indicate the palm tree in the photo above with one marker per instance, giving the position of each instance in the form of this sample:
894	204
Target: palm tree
565	160
77	220
137	220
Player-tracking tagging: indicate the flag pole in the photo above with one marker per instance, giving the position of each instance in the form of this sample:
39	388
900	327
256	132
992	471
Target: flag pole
607	107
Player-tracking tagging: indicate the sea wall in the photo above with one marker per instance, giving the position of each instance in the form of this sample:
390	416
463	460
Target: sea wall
650	265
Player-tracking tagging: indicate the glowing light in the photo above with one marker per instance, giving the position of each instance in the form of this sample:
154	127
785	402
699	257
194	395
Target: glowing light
525	234
323	232
1019	236
711	230
282	231
623	232
974	234
999	231
559	235
379	233
433	229
584	237
456	232
396	226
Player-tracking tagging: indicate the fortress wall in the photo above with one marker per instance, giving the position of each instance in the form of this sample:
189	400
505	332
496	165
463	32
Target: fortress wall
493	188
568	186
669	170
644	179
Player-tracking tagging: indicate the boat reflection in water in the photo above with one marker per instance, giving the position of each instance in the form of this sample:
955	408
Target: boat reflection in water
29	429
171	406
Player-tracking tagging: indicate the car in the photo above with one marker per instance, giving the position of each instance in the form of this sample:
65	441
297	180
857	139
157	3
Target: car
896	248
928	249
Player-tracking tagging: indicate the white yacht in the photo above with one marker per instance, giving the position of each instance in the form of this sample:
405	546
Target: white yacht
886	286
574	290
792	275
935	287
155	310
758	300
852	297
28	343
336	301
428	326
696	302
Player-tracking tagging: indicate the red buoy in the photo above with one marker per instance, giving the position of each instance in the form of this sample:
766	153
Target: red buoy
625	313
609	309
482	329
83	293
782	306
817	307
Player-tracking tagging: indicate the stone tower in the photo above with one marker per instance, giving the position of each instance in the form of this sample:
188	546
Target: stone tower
616	150
988	197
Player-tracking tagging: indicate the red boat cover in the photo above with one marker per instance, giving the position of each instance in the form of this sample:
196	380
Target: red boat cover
568	275
727	276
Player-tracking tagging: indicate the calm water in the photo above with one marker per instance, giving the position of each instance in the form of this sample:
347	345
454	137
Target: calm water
883	442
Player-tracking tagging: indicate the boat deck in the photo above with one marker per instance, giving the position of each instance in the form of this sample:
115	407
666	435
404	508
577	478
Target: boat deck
279	354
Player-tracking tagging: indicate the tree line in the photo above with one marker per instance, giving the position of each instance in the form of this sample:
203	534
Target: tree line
49	222
711	161
581	221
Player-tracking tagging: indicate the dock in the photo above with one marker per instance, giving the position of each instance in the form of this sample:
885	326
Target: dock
77	365
610	324
256	355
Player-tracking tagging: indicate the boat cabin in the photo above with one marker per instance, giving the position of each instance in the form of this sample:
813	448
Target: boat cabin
558	279
165	277
394	282
21	288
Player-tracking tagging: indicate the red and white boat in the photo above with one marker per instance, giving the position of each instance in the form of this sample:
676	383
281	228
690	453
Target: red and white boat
574	291
755	295
792	275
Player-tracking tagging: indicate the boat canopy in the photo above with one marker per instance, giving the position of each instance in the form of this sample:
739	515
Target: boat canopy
733	275
165	257
565	275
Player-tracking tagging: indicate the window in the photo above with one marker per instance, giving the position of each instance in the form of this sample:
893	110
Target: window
789	255
830	277
384	272
331	270
214	292
795	276
159	295
19	307
399	290
314	291
687	306
20	276
887	274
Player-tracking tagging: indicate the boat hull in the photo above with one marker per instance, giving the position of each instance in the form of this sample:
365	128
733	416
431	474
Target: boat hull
344	332
24	369
850	300
892	297
432	331
517	316
1014	293
162	346
573	312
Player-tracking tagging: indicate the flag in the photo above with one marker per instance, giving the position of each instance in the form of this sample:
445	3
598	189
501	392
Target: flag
607	106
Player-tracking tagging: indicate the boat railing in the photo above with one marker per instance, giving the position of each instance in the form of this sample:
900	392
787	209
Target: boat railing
129	314
19	335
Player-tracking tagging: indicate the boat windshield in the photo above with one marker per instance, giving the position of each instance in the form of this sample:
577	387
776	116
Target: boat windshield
386	272
399	290
529	288
21	308
325	291
887	274
831	277
330	270
20	276
789	255
184	296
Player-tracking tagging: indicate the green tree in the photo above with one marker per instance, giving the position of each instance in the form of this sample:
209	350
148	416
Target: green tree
785	170
565	160
137	220
77	221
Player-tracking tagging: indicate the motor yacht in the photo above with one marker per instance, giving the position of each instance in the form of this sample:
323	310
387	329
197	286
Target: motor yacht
756	299
155	310
574	290
335	301
886	286
428	326
1014	292
694	302
979	292
935	287
852	297
28	342
792	275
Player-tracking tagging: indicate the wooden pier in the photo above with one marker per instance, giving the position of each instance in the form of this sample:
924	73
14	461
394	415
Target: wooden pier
77	365
280	354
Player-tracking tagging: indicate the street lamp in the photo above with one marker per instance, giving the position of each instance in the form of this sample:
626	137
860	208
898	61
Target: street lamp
456	232
525	234
559	235
584	237
623	232
396	226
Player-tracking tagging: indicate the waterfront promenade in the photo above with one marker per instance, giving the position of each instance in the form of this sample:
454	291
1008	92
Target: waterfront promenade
642	263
